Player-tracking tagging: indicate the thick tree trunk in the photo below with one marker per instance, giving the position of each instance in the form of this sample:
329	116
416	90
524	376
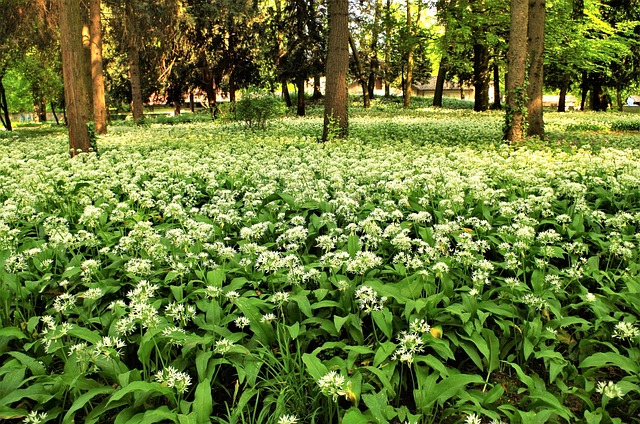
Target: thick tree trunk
440	79
481	77
409	78
301	104
40	109
536	61
362	77
497	96
516	59
76	96
285	92
97	77
335	103
4	107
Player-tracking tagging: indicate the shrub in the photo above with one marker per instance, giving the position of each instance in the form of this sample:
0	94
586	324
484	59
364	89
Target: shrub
256	107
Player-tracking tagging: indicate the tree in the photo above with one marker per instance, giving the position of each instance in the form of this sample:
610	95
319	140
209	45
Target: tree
97	77
73	65
516	61
335	103
536	25
408	81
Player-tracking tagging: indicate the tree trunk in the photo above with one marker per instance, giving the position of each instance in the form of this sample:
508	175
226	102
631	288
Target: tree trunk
53	111
596	97
409	79
373	61
76	96
232	86
285	92
362	77
4	107
536	61
317	94
497	96
192	106
300	87
136	85
440	79
516	60
564	86
40	109
387	49
584	90
335	104
97	77
481	77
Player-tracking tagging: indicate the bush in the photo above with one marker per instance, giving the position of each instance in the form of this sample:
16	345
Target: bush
256	107
630	124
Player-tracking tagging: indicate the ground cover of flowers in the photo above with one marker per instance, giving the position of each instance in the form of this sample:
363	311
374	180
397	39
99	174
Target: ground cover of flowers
420	272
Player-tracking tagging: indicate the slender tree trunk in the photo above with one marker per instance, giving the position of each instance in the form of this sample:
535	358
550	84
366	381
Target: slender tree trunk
335	104
584	90
481	77
53	111
136	85
362	77
516	59
76	96
497	96
4	107
300	86
373	61
317	94
97	77
387	49
192	106
564	86
440	79
619	98
409	79
232	86
285	92
536	61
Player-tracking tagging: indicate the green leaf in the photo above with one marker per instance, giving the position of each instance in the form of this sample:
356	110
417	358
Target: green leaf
294	330
12	333
203	402
354	416
315	367
353	245
154	416
144	387
33	365
602	359
383	320
83	400
377	404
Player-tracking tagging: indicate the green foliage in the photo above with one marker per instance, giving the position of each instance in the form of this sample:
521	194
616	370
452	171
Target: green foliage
256	107
422	272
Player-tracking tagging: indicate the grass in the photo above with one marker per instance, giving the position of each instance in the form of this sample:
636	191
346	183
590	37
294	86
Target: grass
422	271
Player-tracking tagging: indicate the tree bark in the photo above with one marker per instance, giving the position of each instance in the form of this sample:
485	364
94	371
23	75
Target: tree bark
387	49
497	100
301	104
4	107
134	65
285	92
536	61
564	87
97	76
362	77
374	62
317	94
516	60
481	77
335	104
409	79
440	79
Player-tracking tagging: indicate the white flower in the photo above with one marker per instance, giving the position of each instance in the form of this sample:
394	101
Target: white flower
609	389
35	417
173	378
332	384
625	330
473	419
268	318
368	299
242	322
223	346
288	419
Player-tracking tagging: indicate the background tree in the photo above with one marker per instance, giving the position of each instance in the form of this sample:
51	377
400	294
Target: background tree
516	59
73	64
97	77
335	103
536	25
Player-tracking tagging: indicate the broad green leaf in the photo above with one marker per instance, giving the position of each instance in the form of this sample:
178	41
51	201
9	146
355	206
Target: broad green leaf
602	359
354	416
377	404
314	366
83	400
383	320
143	387
203	402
